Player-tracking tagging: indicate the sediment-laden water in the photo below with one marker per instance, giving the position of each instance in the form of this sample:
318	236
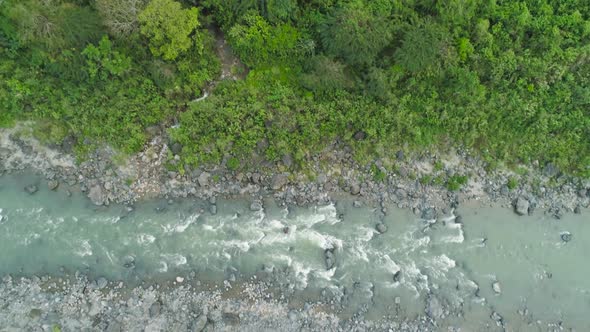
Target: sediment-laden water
493	268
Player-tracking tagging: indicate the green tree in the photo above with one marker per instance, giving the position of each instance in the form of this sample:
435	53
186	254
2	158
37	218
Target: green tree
171	30
356	33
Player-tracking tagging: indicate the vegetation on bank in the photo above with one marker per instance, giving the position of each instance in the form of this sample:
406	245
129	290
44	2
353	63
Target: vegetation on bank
510	79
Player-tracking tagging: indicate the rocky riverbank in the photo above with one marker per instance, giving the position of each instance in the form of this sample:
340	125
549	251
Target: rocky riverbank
76	303
428	184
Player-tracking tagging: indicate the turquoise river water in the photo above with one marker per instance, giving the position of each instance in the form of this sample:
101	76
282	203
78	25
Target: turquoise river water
541	277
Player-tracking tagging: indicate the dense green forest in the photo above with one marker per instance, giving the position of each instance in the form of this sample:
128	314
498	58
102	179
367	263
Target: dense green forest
509	79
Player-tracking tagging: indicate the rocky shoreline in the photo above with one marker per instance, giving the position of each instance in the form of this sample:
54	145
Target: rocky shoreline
76	303
416	183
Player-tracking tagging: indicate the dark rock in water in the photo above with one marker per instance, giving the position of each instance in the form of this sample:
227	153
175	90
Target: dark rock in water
381	228
578	209
566	237
101	283
279	181
199	324
329	258
52	184
397	276
213	209
428	214
521	206
357	204
459	219
360	135
129	262
256	206
399	155
31	189
155	309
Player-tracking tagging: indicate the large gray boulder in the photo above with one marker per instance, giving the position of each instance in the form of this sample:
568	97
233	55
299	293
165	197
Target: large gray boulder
97	195
279	181
521	207
204	179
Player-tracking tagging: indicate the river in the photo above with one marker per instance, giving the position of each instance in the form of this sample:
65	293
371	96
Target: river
493	266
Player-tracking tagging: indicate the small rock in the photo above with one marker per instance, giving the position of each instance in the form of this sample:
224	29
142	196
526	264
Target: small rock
204	179
357	204
31	189
381	228
179	279
129	262
566	237
496	287
52	184
522	206
101	283
213	209
176	148
458	219
577	209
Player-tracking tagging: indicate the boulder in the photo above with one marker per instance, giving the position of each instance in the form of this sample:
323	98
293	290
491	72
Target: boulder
199	324
155	309
256	206
521	207
101	283
496	287
433	308
287	160
355	188
381	228
31	189
96	195
329	258
566	237
428	214
577	209
176	148
204	179
279	181
52	184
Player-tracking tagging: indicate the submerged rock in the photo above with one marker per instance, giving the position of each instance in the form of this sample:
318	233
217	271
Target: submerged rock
521	207
31	189
566	237
155	309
